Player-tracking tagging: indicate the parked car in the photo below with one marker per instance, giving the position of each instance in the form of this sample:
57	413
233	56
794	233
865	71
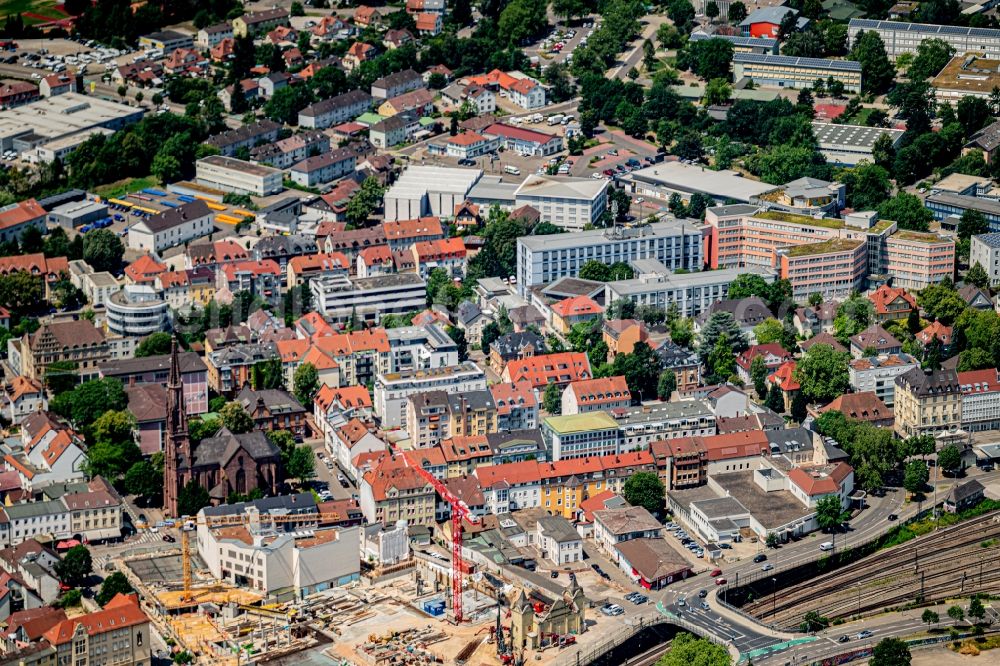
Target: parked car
554	574
759	557
715	573
702	594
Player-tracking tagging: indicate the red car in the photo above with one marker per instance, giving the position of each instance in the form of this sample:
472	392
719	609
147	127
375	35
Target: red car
720	581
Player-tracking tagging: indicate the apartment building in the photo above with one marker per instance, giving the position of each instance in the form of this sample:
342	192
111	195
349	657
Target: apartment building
77	342
231	367
360	355
927	402
336	110
833	268
285	152
692	293
917	260
397	84
324	168
643	424
247	136
232	175
985	251
900	37
171	227
212	35
135	311
257	23
435	416
340	298
793	72
399	493
892	303
420	347
545	259
35	519
581	435
393	389
517	406
569	203
539	371
980	399
593	395
156	370
877	374
116	634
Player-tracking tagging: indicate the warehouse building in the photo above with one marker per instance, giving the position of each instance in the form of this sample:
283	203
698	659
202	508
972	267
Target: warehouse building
77	213
791	72
36	124
429	190
846	145
900	38
232	175
662	180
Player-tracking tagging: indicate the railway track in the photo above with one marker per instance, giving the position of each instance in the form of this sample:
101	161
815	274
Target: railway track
945	563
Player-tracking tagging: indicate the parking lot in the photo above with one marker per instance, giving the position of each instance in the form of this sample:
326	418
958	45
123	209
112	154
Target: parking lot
559	45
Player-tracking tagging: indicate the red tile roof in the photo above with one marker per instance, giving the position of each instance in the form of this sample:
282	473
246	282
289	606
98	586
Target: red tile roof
577	306
324	261
865	406
885	295
519	133
979	381
599	391
442	249
122	611
735	445
784	377
935	330
560	368
814	481
509	395
745	359
20	213
407	229
344	344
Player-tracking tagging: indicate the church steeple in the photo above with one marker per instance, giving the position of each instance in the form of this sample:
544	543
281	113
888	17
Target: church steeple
177	445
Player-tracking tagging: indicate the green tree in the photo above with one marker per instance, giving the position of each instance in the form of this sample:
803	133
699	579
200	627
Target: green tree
737	12
666	385
457	336
721	361
192	498
976	609
113	585
768	331
686	650
829	512
646	490
682	331
972	223
854	315
929	617
867	185
932	55
718	92
306	382
950	459
719	324
365	201
956	613
823	373
268	374
977	275
235	419
153	345
103	250
85	403
75	567
709	58
813	621
142	480
552	399
758	374
569	9
973	113
890	652
775	401
876	70
772	540
915	476
908	212
522	19
941	302
301	464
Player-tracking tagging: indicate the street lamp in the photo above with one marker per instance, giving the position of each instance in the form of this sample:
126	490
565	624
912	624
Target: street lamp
774	596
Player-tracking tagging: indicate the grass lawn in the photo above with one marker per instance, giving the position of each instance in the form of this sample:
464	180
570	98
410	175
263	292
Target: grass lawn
33	10
123	187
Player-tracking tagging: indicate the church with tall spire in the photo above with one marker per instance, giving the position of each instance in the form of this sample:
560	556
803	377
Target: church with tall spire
225	464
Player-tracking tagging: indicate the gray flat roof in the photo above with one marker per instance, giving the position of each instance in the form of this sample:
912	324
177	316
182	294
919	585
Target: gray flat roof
928	28
668	228
991	240
670	280
693	178
720	508
963	201
771	509
831	135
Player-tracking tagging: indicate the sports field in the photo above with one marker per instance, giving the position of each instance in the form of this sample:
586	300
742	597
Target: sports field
33	11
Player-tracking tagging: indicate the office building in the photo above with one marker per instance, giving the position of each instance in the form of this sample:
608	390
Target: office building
393	389
692	293
948	207
741	43
581	435
136	310
900	38
524	141
171	227
985	251
570	203
833	268
980	400
340	298
642	425
846	145
917	260
35	124
545	259
792	72
966	75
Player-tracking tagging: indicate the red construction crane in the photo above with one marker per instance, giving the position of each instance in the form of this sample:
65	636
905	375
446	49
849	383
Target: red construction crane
459	512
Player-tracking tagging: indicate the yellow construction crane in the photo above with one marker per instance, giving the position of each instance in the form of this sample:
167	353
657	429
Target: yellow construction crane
242	519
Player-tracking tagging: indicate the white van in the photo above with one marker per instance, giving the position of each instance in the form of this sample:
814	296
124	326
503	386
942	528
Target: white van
826	545
513	170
